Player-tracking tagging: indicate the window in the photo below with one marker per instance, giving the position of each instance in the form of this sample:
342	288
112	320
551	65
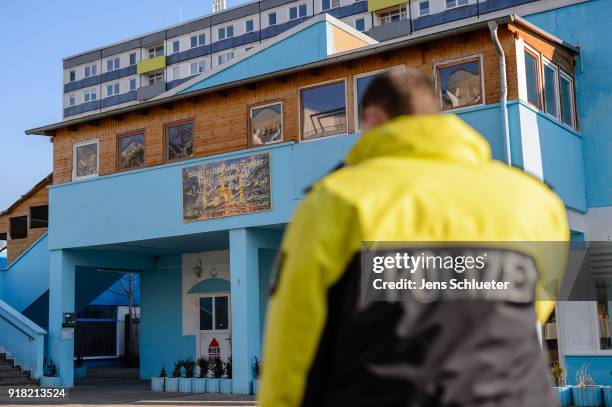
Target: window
72	75
90	95
221	33
112	89
156	78
131	150
266	124
179	141
248	26
197	67
133	58
456	3
396	14
132	84
198	40
328	4
272	18
85	159
423	8
71	100
361	84
156	51
176	72
550	89
223	58
566	92
214	314
532	76
91	70
323	110
360	24
39	216
176	46
225	32
112	64
297	11
19	227
459	84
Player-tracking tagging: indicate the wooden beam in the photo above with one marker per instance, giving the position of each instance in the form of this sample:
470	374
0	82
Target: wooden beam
118	117
168	106
142	112
73	128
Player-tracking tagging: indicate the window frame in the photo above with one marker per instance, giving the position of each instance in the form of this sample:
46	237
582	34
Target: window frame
270	102
574	115
534	53
297	11
270	14
246	25
421	14
75	146
71	100
356	77
135	81
154	49
458	61
130	59
114	62
156	74
30	217
193	135
331	5
176	46
315	85
10	227
364	24
72	75
399	8
120	136
550	64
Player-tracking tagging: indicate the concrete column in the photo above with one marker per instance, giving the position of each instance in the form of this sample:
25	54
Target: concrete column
246	342
61	299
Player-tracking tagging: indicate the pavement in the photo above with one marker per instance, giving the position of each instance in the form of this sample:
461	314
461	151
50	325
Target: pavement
122	387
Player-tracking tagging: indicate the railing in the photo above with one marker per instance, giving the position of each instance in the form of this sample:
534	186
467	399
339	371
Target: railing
22	340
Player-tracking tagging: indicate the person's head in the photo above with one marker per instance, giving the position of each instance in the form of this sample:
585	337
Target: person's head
397	93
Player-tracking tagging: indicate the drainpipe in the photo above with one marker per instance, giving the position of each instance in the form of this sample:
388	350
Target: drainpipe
503	84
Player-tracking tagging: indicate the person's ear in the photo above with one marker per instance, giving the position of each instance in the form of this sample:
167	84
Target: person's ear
373	116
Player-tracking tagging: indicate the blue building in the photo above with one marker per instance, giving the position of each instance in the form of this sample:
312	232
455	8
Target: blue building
191	188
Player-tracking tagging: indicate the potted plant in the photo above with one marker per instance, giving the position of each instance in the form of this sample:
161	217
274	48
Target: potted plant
257	365
189	370
80	370
216	369
586	393
225	385
157	383
173	382
51	377
198	384
563	392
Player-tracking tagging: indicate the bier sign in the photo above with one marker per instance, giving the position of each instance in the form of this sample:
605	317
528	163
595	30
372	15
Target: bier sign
229	187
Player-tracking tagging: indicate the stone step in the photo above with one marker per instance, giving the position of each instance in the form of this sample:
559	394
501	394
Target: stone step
15	380
14	373
6	367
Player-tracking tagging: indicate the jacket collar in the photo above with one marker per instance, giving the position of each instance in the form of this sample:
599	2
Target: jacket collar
442	136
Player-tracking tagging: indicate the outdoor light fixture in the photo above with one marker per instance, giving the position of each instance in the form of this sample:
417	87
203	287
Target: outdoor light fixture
197	269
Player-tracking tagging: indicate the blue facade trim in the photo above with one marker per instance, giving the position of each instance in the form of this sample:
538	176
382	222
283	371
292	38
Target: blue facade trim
98	79
232	42
488	6
118	99
177	82
189	54
446	16
346	11
82	108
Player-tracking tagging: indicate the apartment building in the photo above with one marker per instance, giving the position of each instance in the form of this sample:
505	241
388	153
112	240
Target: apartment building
138	69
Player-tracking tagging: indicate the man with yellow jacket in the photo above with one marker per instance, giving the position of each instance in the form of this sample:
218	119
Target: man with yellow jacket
414	176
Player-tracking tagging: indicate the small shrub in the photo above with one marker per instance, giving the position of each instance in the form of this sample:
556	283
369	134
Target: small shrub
162	372
257	365
228	367
558	374
176	370
216	367
189	366
204	365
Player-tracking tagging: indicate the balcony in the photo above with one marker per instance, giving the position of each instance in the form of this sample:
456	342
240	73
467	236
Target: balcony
151	64
150	91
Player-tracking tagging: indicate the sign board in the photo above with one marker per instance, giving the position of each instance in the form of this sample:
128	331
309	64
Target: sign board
229	187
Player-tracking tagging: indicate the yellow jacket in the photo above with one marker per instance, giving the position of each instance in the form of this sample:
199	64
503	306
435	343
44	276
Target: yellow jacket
420	178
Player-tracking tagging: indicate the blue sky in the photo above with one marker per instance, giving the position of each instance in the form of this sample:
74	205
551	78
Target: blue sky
36	35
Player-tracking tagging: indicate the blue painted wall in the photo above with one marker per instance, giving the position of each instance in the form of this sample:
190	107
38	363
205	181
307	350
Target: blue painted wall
285	54
161	340
599	367
594	87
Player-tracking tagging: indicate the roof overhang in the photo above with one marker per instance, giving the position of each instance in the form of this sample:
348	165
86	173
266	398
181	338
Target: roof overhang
41	184
397	43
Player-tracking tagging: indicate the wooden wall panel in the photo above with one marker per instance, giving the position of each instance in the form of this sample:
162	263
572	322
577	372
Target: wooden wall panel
221	118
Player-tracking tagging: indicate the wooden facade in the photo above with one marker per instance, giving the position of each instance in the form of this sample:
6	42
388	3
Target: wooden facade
221	119
37	196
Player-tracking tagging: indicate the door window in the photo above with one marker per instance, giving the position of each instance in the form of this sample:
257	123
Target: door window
214	313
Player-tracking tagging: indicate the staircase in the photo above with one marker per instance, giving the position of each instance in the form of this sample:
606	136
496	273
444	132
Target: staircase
12	376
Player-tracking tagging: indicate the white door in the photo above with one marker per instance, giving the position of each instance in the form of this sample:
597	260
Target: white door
214	325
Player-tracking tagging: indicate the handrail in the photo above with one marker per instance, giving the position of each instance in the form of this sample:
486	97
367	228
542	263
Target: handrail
13	317
23	331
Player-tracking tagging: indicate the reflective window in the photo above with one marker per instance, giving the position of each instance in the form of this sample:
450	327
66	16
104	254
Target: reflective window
249	26
179	139
272	18
361	84
360	24
133	58
221	313
566	90
424	8
176	46
206	314
132	84
85	159
531	76
550	89
266	124
39	216
131	151
459	84
72	76
327	4
323	110
18	227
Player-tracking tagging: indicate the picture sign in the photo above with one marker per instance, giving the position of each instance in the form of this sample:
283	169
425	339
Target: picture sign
229	187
